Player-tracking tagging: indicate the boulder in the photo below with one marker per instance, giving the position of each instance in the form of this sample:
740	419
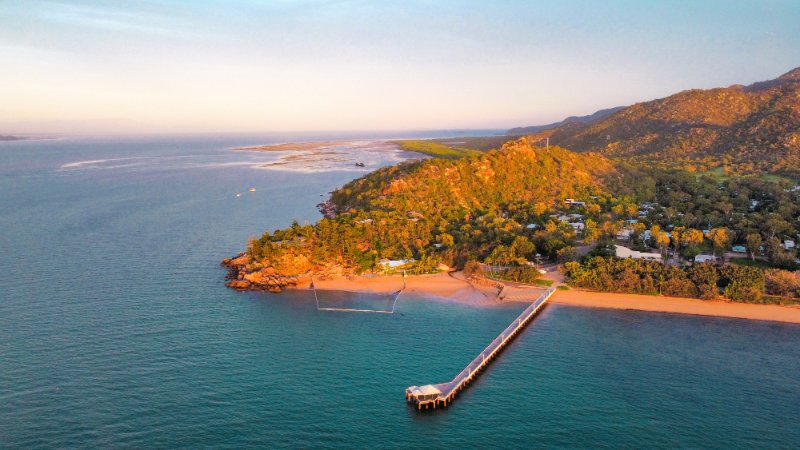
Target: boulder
239	284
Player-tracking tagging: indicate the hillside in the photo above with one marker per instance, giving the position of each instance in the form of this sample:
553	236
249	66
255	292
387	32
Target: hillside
517	173
455	147
572	119
433	211
744	129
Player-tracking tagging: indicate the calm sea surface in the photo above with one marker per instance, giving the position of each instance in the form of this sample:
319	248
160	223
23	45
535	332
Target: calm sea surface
116	329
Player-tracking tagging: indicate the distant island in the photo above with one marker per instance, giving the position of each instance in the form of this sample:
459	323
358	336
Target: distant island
11	138
694	196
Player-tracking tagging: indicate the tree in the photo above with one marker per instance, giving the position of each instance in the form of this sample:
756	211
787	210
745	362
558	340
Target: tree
590	231
522	247
705	277
720	239
473	269
567	254
639	228
662	241
677	234
631	209
502	255
782	283
753	244
692	237
654	230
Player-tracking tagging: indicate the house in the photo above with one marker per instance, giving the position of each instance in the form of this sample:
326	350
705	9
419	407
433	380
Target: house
631	221
577	226
788	244
706	232
624	234
739	249
573	202
705	259
531	226
625	252
393	263
364	222
754	204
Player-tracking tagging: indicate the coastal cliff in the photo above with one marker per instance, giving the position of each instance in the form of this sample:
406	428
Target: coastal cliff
245	274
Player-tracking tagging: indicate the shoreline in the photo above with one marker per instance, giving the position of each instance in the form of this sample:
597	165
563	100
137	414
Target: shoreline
677	305
448	287
363	155
454	287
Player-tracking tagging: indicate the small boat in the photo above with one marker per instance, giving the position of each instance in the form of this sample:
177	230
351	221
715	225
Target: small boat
252	189
360	164
238	194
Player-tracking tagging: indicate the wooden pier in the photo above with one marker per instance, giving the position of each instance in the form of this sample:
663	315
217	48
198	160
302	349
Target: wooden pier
443	394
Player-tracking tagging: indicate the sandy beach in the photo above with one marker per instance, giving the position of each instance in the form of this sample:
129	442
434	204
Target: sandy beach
358	155
677	305
454	287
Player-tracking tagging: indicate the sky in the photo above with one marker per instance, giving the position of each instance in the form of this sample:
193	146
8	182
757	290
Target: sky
156	66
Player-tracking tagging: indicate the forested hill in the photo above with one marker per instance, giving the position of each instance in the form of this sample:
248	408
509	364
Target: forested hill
436	211
742	128
517	174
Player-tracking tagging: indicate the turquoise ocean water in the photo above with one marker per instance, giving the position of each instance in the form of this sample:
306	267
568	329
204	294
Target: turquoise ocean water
116	329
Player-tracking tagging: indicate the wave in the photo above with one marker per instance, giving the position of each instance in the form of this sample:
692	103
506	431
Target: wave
99	163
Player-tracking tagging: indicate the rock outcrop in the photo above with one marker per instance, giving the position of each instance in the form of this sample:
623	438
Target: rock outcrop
245	274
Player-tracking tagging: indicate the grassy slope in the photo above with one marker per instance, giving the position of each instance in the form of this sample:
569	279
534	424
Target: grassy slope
436	149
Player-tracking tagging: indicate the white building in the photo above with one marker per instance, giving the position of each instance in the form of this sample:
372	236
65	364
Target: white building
705	259
392	263
625	252
624	234
788	244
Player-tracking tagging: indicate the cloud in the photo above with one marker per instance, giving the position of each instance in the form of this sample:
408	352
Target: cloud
119	17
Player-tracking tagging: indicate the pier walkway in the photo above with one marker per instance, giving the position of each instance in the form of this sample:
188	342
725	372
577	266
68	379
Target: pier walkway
443	394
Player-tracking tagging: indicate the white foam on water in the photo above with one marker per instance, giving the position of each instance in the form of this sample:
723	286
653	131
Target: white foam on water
100	163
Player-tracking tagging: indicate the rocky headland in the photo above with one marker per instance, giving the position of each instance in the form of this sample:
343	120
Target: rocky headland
247	275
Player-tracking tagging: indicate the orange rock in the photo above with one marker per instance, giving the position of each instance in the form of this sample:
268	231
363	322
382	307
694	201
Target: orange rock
239	284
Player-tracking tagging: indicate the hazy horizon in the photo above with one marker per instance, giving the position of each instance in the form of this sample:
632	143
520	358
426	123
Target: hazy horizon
163	67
